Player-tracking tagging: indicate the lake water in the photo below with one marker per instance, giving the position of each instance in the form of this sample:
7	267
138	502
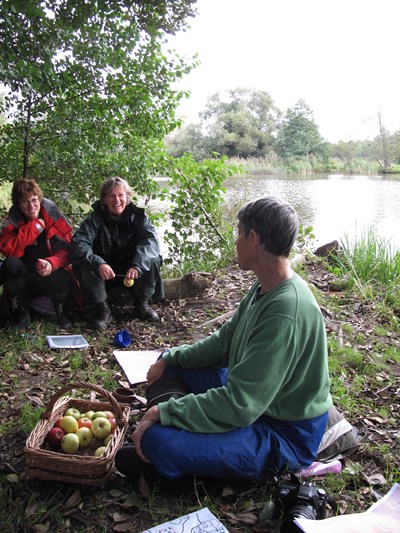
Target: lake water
336	206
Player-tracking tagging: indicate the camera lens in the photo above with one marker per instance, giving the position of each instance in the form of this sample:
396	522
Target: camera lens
297	511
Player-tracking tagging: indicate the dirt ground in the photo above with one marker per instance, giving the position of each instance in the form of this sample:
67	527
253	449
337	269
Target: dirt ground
40	506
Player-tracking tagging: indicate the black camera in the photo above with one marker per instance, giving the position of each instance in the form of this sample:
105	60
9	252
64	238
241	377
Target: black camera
296	499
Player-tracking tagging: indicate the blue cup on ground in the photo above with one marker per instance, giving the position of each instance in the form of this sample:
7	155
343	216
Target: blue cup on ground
122	338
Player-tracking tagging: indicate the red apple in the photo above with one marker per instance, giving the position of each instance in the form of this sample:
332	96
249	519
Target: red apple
113	423
58	422
84	422
109	414
54	437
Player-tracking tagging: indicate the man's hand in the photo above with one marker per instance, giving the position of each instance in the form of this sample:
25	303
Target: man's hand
43	267
155	371
150	418
106	272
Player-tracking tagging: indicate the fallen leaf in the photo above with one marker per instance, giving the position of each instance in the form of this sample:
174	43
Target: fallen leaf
41	528
121	517
36	400
246	518
376	479
133	500
126	526
73	501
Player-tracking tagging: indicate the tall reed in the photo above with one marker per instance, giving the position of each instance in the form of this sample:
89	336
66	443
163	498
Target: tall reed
372	263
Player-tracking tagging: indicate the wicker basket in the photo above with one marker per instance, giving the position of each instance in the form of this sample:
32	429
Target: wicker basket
83	467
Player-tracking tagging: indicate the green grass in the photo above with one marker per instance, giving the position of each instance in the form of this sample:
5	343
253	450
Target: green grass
372	266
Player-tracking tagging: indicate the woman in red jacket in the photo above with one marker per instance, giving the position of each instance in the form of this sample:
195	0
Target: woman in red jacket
35	240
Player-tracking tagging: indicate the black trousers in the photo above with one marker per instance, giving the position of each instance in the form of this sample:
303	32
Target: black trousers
149	286
23	281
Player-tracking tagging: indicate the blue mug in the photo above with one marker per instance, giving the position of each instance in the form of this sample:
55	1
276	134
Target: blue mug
122	338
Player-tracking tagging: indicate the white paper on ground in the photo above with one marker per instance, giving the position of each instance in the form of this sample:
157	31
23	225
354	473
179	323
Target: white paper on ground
67	341
136	364
202	521
383	516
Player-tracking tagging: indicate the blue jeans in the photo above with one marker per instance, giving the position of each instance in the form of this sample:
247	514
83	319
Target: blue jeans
253	452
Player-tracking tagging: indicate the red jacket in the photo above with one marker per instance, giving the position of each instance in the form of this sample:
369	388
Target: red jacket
17	234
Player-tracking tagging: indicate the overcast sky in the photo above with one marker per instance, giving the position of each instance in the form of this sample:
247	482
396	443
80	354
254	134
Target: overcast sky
341	57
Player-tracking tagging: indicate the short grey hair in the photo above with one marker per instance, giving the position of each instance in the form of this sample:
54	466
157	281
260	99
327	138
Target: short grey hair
275	222
110	184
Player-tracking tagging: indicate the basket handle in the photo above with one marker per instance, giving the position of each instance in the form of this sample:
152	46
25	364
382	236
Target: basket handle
85	385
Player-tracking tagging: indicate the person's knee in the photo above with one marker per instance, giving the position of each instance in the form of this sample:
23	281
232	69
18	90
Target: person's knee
12	267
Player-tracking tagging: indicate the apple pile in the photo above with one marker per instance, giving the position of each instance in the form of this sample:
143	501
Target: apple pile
75	431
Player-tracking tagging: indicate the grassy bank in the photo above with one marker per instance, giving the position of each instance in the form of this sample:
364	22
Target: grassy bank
363	327
273	165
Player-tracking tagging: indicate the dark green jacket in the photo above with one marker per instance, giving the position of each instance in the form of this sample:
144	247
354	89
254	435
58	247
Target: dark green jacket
103	239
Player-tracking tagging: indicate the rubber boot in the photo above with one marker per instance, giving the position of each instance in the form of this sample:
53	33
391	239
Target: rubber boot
164	389
20	317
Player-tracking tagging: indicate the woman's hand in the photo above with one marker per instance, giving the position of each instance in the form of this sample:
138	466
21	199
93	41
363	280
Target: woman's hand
43	267
132	273
155	371
106	272
150	418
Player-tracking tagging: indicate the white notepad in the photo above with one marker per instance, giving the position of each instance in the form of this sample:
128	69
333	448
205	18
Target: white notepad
136	364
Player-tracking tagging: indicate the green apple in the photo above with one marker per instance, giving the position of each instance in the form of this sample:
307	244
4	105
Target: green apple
85	437
73	411
99	414
70	443
69	424
100	451
88	414
107	439
101	427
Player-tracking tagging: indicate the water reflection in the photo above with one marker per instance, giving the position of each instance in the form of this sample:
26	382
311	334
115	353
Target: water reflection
336	206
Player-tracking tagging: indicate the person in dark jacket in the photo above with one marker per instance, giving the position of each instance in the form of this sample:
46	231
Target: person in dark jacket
117	241
35	241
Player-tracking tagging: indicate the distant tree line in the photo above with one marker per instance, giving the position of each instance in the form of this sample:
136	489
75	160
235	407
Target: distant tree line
245	123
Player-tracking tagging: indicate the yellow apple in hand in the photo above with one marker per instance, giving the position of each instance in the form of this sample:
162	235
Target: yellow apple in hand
128	282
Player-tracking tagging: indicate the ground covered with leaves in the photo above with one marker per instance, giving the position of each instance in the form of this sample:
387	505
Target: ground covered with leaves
365	367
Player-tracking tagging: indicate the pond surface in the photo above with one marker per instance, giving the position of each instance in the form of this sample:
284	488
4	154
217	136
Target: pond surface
336	206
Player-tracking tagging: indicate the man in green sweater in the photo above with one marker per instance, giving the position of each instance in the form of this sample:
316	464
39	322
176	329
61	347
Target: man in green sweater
259	387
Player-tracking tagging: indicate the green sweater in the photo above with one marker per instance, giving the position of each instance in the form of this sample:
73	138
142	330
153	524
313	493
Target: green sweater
276	353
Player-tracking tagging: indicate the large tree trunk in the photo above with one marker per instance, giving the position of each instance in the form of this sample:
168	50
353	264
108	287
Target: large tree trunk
191	284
